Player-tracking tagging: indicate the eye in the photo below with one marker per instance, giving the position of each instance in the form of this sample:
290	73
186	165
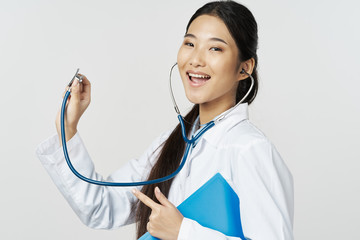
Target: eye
188	44
216	49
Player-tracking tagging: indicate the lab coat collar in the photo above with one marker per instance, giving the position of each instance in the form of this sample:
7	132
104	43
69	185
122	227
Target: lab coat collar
239	114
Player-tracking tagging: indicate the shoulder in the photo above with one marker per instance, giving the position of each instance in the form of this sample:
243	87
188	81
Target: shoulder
250	146
255	150
243	136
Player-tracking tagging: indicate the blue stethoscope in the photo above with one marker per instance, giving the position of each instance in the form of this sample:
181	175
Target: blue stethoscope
189	142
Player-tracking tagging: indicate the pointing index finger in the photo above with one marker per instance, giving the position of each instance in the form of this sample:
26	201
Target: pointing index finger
145	199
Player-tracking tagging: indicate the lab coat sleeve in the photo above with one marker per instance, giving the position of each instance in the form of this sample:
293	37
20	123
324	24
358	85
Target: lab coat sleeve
265	188
97	206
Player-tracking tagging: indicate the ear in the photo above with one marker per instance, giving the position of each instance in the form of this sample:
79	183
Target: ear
247	66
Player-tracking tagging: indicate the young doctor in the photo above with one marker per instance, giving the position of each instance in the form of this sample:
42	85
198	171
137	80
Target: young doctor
214	60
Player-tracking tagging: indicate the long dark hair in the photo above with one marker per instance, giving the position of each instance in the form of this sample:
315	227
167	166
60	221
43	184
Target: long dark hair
243	28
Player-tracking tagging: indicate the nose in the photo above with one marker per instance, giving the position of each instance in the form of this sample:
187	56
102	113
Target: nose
197	58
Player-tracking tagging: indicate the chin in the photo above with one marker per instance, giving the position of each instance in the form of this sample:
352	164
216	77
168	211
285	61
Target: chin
195	100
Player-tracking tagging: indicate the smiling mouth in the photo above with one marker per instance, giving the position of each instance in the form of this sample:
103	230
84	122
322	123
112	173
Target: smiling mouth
198	79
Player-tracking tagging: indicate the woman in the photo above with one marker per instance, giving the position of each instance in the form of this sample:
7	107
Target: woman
218	52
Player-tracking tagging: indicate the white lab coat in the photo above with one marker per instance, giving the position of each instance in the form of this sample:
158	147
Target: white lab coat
234	147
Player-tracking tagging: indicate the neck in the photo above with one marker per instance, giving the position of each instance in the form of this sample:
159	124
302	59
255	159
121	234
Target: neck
208	111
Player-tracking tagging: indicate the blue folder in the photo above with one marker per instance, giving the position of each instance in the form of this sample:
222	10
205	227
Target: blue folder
214	205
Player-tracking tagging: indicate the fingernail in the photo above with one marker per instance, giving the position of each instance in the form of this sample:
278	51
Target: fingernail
134	190
157	190
76	82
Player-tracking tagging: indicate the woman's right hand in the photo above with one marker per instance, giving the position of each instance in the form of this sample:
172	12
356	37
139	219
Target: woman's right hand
76	105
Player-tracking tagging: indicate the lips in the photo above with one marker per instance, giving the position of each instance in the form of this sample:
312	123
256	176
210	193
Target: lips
197	79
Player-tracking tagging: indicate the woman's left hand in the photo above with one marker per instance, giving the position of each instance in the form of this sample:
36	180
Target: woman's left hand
165	219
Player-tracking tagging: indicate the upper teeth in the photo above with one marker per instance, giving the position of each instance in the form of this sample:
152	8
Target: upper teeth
198	76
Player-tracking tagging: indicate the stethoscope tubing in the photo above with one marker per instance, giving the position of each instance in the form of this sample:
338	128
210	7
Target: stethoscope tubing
189	143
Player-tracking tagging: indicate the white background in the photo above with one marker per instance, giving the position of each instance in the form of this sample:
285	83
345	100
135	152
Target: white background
308	102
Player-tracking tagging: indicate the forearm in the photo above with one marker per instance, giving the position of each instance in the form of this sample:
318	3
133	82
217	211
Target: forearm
70	131
93	204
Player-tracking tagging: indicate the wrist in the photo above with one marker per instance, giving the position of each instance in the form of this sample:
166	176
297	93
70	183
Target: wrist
69	133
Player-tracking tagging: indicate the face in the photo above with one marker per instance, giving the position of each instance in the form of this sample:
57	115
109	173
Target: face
208	62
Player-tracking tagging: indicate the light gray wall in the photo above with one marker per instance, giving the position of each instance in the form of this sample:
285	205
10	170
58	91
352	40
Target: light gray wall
308	103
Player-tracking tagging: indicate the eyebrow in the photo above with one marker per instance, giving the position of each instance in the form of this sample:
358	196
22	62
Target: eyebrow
211	39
